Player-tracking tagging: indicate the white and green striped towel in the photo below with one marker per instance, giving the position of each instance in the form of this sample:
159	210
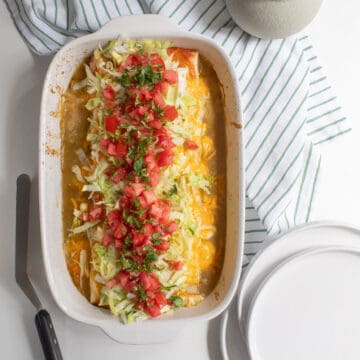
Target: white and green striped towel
288	106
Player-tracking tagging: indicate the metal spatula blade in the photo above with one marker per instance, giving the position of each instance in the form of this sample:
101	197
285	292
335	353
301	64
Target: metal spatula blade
44	325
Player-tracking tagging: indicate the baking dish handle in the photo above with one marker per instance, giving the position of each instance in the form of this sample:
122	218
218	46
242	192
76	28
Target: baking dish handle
140	23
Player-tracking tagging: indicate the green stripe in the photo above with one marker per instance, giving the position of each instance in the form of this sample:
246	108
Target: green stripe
281	197
249	208
302	183
322	103
177	8
256	131
244	50
264	76
250	254
252	220
117	9
50	25
320	91
318	80
220	28
257	67
333	136
307	48
313	191
85	17
44	5
236	42
272	85
251	57
161	7
287	221
214	18
245	265
31	46
324	114
151	4
254	242
25	23
67	16
275	144
312	58
131	13
303	38
316	69
202	14
281	179
95	12
56	11
255	231
189	11
228	35
106	10
37	28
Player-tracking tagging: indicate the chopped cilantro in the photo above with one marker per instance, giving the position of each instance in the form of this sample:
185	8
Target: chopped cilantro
177	301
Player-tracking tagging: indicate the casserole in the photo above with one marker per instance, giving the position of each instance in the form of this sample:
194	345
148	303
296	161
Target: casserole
57	80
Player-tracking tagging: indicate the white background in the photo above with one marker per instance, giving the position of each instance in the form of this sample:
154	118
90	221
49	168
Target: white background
335	34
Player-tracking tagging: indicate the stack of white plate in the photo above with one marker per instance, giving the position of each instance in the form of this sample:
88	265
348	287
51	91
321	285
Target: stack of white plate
299	299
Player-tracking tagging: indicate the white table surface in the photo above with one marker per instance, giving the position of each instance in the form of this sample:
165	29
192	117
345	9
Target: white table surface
335	34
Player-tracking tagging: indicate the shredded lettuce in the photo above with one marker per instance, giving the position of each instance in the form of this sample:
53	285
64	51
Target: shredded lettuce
83	228
105	260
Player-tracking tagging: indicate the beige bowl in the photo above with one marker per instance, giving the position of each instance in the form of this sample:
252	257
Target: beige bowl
273	19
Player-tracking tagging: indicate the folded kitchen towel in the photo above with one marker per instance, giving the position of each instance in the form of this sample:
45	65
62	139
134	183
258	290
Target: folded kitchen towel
289	109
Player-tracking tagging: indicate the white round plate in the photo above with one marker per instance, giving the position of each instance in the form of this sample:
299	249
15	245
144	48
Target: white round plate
305	237
308	308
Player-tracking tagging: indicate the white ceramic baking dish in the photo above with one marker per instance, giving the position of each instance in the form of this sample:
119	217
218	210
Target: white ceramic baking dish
57	79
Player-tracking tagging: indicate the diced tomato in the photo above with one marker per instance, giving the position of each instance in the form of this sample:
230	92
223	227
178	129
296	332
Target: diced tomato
170	112
107	239
149	196
165	142
191	145
155	211
153	310
165	158
156	124
111	123
171	76
142	201
171	227
121	149
158	99
176	265
120	231
96	214
162	86
155	59
123	278
149	282
134	189
148	229
119	175
150	161
111	283
141	110
163	246
118	244
113	218
104	143
109	93
145	93
154	178
138	239
112	149
160	299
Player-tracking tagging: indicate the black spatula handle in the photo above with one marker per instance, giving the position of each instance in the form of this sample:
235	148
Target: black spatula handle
46	331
